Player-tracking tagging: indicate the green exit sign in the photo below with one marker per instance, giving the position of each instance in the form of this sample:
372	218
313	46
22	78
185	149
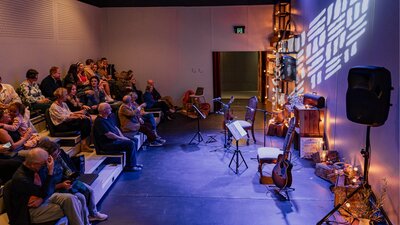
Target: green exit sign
238	29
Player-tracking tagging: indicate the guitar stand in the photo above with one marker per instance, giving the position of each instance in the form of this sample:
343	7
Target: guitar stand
279	191
236	155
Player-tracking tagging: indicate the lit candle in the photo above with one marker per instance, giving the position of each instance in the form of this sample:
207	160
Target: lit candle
348	205
323	156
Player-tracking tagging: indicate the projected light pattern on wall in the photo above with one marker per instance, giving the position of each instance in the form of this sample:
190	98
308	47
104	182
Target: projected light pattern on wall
330	41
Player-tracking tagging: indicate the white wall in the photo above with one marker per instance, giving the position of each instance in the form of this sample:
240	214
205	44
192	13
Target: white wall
377	44
174	45
40	34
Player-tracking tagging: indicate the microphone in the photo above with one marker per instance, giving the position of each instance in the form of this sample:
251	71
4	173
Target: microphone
216	99
260	110
251	109
231	100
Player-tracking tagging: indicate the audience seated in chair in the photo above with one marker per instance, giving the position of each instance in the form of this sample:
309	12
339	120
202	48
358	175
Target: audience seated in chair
31	94
109	139
90	70
64	184
50	83
7	95
29	197
157	96
19	124
73	101
151	103
133	88
10	162
132	123
65	120
148	117
94	95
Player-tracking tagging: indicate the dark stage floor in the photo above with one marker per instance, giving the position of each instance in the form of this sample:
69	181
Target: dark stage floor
192	184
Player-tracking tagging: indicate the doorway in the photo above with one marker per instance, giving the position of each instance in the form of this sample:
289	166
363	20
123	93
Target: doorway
238	74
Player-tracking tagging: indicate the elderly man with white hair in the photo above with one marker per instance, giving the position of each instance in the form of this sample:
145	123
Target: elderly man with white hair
109	138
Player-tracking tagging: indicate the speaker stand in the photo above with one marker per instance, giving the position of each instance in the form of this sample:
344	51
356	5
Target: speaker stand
364	186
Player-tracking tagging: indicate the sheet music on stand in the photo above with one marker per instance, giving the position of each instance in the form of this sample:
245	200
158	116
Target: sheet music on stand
236	130
198	111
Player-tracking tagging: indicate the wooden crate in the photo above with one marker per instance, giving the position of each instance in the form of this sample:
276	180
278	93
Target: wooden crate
310	121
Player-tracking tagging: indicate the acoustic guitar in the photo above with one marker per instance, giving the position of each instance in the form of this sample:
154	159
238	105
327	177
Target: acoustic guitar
282	172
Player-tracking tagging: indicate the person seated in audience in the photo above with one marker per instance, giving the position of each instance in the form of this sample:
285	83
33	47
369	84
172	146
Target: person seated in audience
19	123
31	93
32	197
83	80
16	112
7	95
90	71
51	83
133	87
10	141
147	117
157	96
123	85
94	95
65	120
151	103
73	101
109	139
102	69
132	123
65	184
71	77
106	69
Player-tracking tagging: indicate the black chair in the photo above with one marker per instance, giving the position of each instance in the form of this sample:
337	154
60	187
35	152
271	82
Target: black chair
52	130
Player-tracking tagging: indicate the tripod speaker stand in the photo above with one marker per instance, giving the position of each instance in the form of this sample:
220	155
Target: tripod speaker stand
367	102
198	135
237	132
364	186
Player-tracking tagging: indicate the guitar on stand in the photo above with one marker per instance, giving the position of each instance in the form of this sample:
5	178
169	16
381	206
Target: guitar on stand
228	118
282	172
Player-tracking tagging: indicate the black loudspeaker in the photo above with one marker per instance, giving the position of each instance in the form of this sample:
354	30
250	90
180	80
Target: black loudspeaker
368	95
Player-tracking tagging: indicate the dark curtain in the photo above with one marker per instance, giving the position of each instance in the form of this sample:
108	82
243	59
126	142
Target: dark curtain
216	79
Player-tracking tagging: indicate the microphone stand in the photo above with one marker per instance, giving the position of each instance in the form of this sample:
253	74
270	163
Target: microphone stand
225	109
265	119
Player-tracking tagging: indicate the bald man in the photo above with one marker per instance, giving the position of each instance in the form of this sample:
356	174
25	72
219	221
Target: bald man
157	96
109	139
32	197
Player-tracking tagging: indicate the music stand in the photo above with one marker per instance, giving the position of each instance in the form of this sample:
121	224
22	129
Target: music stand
198	133
237	132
